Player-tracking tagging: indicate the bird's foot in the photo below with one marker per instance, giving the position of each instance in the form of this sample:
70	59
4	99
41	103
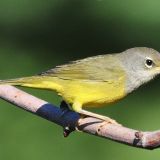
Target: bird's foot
101	117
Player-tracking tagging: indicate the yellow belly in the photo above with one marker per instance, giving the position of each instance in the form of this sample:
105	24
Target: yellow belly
91	93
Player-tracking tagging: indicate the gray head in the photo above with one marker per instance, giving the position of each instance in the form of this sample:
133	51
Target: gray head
141	65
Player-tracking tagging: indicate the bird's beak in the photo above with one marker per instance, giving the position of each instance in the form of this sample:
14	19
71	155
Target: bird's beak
158	68
157	64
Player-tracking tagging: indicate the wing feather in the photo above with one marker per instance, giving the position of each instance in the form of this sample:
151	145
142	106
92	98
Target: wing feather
98	68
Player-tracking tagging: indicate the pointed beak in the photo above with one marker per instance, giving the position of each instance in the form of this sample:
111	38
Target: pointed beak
158	67
157	64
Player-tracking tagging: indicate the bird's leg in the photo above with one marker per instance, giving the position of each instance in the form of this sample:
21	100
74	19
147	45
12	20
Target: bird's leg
101	117
65	108
78	108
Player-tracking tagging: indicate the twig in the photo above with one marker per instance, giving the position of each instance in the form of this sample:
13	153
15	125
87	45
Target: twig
147	140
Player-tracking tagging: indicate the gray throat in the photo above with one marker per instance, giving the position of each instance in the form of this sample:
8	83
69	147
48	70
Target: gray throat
135	77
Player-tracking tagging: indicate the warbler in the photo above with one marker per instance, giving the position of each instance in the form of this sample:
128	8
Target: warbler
97	81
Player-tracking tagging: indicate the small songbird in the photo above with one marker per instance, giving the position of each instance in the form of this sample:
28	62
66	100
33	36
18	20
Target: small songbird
99	80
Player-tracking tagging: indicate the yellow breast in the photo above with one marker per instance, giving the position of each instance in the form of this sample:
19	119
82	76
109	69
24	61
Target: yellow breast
91	93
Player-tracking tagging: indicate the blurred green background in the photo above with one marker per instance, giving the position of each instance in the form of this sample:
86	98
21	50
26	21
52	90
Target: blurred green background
36	35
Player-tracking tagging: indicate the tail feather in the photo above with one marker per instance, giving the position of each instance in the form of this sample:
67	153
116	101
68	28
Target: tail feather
34	82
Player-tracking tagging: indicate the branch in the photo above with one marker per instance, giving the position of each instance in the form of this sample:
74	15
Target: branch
71	119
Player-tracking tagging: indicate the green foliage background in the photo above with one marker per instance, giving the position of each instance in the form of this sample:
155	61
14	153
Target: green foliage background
36	35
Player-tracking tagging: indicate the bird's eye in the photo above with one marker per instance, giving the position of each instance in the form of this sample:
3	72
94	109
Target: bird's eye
149	63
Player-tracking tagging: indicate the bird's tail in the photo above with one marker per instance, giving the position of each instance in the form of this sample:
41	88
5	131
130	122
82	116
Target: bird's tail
34	82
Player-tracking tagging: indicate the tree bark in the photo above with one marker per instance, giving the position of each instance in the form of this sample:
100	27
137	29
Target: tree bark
72	120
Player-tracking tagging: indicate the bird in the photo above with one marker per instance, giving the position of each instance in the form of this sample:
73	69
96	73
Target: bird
98	80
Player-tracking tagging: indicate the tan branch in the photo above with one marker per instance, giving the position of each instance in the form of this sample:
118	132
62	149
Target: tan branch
68	118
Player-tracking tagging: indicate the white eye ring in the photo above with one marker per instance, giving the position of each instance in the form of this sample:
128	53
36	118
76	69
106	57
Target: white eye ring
149	63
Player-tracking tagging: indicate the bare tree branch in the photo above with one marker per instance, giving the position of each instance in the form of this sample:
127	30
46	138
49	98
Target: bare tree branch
68	118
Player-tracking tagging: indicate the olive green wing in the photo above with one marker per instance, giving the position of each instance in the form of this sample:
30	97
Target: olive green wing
98	68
